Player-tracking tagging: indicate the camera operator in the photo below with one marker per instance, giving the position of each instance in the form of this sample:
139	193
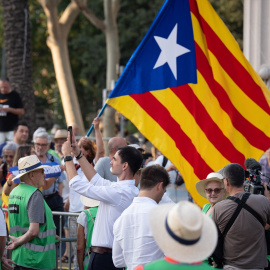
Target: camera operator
244	244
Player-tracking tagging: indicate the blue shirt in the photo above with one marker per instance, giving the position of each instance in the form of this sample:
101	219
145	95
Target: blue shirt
61	178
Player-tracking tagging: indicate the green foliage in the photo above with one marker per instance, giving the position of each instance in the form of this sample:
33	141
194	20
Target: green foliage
134	19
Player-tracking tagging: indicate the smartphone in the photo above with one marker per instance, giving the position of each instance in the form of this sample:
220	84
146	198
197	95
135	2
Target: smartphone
70	132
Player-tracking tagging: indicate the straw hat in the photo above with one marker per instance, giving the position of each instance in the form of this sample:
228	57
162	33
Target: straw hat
89	202
214	176
60	134
183	232
29	164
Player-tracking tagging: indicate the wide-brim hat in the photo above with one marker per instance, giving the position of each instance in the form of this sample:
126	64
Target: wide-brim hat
88	202
61	134
183	232
28	164
214	176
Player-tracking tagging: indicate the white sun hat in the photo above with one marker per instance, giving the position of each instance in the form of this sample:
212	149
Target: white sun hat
28	164
88	202
214	176
183	232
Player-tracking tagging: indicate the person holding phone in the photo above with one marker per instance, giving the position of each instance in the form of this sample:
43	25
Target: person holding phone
114	197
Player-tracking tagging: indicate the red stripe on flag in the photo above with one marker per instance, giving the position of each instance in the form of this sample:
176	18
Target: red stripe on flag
249	131
229	63
206	123
162	116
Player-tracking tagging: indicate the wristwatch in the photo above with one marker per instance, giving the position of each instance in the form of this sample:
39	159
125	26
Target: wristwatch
68	158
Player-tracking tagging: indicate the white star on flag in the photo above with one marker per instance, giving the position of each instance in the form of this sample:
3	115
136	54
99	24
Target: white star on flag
170	50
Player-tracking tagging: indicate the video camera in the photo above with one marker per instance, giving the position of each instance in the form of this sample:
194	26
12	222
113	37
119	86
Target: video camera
254	184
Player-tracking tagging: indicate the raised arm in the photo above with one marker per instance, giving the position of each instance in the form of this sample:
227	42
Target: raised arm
86	167
99	141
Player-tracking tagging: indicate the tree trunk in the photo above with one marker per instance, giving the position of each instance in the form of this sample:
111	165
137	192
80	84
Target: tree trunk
18	51
113	58
57	42
65	82
110	29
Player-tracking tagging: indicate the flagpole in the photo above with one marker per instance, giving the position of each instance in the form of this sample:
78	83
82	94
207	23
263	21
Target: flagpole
100	113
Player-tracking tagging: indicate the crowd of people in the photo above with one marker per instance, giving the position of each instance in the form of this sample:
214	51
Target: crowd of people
127	219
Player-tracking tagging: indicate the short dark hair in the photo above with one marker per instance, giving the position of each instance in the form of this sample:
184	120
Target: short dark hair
152	175
235	174
132	156
20	124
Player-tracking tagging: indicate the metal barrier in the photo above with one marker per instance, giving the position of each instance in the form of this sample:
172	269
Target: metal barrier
62	239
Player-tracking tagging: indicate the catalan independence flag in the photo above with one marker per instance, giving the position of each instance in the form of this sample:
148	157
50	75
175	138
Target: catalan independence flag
191	92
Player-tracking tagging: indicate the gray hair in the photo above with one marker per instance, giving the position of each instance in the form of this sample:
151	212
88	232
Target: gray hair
12	146
41	133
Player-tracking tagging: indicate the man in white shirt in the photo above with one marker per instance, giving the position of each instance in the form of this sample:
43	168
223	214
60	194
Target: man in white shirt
133	241
103	165
114	197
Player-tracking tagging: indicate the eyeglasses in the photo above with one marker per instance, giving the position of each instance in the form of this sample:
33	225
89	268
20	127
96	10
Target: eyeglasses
41	145
210	190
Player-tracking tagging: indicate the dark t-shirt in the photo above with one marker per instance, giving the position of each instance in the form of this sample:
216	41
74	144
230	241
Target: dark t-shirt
9	120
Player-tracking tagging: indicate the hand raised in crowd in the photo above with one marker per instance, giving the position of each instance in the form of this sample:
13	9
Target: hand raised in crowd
96	123
67	149
6	264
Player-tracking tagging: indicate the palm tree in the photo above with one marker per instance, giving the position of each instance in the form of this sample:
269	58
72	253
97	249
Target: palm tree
18	52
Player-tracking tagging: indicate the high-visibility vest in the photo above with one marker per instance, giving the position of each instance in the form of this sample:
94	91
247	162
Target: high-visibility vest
90	225
40	252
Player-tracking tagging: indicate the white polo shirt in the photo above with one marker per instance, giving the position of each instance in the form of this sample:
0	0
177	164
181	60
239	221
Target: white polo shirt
114	198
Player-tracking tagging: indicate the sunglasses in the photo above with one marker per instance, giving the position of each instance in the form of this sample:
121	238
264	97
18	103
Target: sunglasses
210	190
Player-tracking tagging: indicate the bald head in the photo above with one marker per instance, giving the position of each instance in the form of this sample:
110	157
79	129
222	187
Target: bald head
114	144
